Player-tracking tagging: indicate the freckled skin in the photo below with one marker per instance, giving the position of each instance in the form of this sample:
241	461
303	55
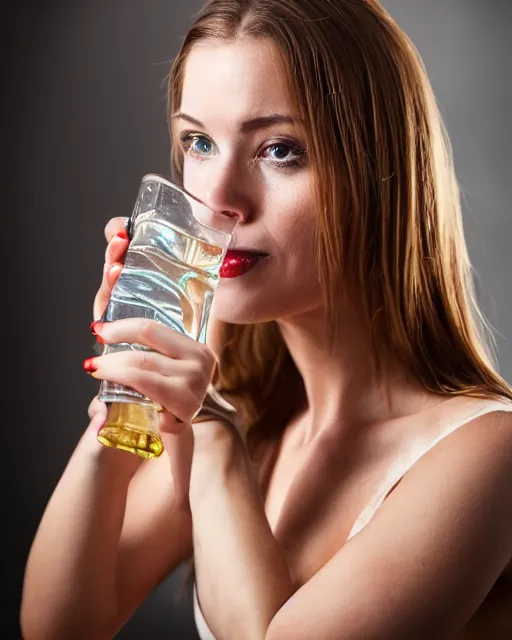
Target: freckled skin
269	188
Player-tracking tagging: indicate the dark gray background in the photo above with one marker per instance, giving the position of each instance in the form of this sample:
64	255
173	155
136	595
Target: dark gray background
85	103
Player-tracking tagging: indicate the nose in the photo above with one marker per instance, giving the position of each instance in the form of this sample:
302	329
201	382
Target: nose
229	191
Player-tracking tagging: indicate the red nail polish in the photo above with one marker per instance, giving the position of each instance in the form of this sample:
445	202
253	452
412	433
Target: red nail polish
95	326
89	365
123	234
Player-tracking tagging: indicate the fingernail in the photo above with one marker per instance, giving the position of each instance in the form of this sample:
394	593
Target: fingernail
89	365
95	327
123	234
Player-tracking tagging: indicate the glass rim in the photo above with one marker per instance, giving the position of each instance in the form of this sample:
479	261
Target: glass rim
166	182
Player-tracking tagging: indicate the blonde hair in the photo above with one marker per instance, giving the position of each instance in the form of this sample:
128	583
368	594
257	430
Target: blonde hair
389	215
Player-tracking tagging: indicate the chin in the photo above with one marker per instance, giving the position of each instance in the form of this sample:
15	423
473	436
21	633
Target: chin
237	310
239	307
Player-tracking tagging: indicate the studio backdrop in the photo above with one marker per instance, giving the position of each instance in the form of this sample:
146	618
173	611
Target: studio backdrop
86	119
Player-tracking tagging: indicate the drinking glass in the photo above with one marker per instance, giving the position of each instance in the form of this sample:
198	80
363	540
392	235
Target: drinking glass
170	274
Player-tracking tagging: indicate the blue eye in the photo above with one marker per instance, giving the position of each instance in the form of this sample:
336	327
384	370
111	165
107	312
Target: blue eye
284	154
201	145
197	145
279	151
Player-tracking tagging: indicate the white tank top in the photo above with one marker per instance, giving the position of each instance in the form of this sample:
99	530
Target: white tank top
473	409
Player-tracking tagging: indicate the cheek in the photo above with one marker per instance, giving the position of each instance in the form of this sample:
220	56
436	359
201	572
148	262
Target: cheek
194	178
295	229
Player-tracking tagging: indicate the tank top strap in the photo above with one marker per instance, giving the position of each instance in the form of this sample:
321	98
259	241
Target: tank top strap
418	449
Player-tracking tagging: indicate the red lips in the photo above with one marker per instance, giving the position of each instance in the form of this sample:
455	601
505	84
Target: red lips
237	262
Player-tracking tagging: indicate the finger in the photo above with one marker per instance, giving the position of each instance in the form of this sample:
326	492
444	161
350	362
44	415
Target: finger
96	408
113	226
130	366
97	421
116	248
143	360
181	393
114	260
110	276
157	336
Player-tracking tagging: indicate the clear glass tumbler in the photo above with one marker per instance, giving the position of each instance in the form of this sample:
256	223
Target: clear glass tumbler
170	273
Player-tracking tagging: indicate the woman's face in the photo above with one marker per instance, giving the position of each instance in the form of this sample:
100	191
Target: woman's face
244	154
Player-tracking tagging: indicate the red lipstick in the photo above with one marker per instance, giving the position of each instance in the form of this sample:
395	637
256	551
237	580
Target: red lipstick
237	262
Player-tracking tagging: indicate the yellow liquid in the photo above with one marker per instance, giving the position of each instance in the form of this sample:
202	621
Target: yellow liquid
134	428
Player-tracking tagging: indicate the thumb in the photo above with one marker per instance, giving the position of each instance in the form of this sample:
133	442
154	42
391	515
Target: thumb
97	412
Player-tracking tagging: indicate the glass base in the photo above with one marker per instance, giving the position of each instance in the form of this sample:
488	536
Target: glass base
134	428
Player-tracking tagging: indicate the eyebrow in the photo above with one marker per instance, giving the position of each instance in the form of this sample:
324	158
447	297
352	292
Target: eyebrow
248	125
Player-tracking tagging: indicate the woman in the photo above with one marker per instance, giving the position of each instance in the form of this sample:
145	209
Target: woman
360	491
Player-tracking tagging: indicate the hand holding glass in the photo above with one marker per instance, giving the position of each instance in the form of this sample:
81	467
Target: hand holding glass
170	273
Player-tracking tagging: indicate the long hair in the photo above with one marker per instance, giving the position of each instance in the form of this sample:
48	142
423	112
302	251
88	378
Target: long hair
389	215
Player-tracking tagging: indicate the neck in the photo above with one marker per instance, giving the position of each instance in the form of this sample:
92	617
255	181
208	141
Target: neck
341	387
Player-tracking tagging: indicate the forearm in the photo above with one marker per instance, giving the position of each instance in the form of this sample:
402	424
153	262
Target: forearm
70	578
241	572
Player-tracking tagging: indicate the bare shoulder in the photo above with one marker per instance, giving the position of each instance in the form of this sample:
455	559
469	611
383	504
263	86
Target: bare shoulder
431	554
471	469
483	441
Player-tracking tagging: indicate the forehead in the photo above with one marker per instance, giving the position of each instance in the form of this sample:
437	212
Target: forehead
233	79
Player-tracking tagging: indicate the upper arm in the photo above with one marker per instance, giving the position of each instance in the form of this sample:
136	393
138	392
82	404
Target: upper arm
156	536
430	555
